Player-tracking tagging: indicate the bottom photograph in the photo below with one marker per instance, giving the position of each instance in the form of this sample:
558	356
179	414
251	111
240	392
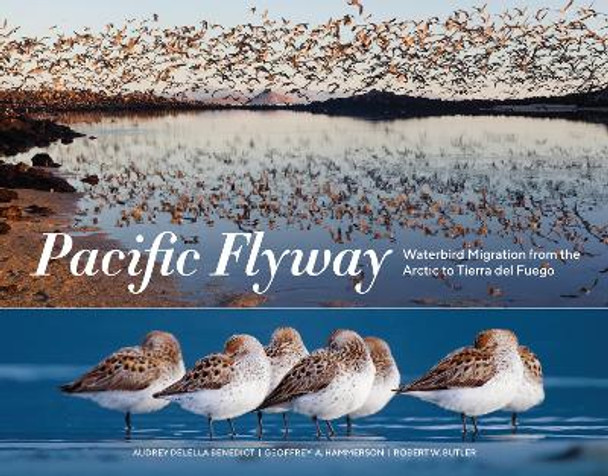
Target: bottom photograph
265	392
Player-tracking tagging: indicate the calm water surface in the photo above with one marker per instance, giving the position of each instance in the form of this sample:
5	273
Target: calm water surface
312	181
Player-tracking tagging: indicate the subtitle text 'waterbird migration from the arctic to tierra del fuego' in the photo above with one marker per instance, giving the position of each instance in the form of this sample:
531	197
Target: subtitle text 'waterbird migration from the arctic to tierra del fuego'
442	135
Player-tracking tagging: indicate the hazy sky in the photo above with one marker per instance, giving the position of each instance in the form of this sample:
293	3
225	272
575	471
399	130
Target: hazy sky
36	16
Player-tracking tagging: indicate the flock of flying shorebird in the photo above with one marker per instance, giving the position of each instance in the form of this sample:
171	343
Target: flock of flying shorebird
350	378
467	53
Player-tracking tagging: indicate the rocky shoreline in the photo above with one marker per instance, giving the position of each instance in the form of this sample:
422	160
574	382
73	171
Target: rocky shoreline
25	215
35	178
35	200
19	133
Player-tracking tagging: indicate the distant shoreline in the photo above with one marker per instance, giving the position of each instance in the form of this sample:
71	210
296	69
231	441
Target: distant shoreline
23	131
374	105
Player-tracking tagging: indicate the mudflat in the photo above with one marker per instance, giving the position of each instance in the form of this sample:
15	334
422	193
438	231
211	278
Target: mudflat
31	215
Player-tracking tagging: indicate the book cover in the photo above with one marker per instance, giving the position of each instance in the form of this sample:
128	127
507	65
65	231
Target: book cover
273	237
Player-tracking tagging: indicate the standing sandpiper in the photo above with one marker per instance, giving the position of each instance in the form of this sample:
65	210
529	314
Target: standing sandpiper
385	381
330	383
531	391
473	381
285	350
127	380
224	386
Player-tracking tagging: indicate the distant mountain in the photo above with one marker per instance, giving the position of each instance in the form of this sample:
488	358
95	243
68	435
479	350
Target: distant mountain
231	99
271	98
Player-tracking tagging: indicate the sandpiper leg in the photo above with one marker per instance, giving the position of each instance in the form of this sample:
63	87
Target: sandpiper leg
260	429
232	429
464	423
330	429
475	429
128	426
349	426
514	422
210	422
285	425
316	420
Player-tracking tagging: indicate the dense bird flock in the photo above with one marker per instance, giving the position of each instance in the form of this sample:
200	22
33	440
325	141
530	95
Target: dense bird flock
352	377
469	53
467	195
549	200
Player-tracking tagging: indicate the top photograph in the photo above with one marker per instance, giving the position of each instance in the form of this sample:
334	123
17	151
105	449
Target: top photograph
336	153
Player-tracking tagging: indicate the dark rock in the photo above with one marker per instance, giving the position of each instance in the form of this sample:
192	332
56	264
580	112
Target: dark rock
22	176
41	296
11	212
91	179
4	228
7	195
20	133
44	160
40	211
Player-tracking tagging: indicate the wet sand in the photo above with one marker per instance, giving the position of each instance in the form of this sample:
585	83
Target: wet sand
20	251
22	227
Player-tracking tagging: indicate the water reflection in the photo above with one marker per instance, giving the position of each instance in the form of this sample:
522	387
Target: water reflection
322	182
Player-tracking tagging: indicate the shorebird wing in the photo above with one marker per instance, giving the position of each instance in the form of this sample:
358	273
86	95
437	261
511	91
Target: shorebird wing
209	373
311	374
467	367
128	369
531	363
273	351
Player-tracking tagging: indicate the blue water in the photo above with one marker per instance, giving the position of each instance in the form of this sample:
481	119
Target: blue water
51	347
41	429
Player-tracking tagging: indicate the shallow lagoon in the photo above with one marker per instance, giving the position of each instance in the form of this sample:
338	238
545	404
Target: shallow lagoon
312	181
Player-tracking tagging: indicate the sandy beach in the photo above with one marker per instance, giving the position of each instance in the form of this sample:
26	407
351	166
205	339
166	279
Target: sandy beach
49	203
20	252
